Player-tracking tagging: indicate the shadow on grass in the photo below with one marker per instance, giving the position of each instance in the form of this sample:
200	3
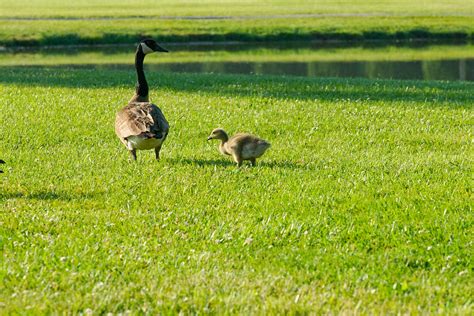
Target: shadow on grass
203	162
286	165
432	93
230	163
49	196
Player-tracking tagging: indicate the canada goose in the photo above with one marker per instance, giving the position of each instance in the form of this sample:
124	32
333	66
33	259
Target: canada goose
1	162
240	146
141	125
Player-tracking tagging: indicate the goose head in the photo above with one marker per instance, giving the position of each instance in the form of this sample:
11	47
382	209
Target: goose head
218	133
148	46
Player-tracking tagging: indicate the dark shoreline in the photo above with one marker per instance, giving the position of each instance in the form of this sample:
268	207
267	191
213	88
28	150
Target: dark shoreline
370	36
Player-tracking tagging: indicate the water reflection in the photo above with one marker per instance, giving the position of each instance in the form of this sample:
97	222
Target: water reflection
301	60
420	70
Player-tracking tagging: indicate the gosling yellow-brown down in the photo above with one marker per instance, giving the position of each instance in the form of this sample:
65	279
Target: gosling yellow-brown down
241	146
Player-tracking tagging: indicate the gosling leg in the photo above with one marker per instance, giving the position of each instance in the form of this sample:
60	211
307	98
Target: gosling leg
237	159
253	161
133	153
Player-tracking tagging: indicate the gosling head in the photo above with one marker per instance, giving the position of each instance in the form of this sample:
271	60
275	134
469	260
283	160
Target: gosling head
218	133
148	46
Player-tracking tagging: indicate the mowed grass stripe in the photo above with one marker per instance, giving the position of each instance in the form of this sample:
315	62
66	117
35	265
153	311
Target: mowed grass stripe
247	8
298	20
364	200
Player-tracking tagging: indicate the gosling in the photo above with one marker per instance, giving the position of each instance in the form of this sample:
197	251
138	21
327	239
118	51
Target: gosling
240	146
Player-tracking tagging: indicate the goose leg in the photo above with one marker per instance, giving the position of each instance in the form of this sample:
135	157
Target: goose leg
157	152
133	152
253	161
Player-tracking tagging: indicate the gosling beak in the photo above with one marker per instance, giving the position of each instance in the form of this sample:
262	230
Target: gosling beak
209	138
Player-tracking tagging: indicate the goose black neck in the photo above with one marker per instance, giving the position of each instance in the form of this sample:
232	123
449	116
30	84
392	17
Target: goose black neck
142	86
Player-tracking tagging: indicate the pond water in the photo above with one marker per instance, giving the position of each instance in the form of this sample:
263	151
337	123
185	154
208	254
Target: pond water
407	61
459	69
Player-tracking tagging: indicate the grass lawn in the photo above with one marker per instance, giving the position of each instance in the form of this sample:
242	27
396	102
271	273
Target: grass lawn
363	203
37	23
245	8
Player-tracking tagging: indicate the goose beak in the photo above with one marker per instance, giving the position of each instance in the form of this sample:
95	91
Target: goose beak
158	48
209	138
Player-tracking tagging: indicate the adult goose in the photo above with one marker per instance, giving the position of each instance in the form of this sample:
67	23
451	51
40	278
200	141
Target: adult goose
141	125
1	162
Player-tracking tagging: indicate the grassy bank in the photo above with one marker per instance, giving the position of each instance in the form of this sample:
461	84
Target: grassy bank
40	33
235	53
364	201
44	23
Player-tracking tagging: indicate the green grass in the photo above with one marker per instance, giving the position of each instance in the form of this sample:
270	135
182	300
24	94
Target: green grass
150	8
363	203
71	25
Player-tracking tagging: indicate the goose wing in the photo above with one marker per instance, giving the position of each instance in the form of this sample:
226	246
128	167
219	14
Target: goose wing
139	118
238	141
248	146
160	124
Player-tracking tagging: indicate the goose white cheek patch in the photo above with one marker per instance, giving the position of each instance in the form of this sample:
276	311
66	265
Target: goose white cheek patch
146	49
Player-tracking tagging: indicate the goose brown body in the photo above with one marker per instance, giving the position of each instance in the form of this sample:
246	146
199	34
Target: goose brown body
241	146
141	125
